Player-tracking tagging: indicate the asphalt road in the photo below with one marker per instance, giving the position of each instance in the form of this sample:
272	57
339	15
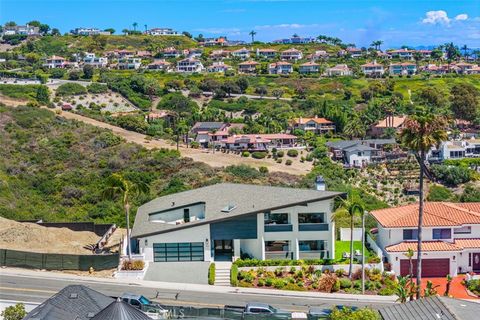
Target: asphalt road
33	289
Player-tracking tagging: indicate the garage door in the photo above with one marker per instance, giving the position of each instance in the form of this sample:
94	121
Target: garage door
430	267
171	252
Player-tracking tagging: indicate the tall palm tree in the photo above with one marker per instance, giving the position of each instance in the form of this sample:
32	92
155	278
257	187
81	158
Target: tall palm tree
145	28
351	206
252	34
422	131
119	186
125	31
181	129
355	128
135	25
465	50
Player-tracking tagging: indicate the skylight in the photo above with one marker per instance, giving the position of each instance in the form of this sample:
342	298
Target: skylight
229	208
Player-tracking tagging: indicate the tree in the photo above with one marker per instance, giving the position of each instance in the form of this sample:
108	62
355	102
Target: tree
252	34
10	24
44	28
125	31
355	128
181	129
243	84
119	186
421	132
111	30
55	32
464	101
350	206
261	90
465	50
34	23
16	312
187	34
43	95
277	93
135	25
88	71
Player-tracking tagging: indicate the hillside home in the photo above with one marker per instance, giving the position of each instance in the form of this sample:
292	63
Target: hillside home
219	54
395	122
309	67
144	54
242	53
359	153
458	149
218	67
162	32
354	52
160	65
248	67
172	52
222	221
26	30
434	69
373	69
206	137
403	69
129	63
94	61
451	237
338	70
208	126
259	142
315	125
426	54
120	53
266	53
291	54
189	65
193	53
280	67
317	55
88	32
55	62
295	40
466	68
405	54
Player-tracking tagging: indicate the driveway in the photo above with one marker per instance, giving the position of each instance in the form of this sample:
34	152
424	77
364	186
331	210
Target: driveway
457	290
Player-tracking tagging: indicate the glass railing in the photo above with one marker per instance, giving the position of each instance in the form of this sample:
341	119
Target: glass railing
278	227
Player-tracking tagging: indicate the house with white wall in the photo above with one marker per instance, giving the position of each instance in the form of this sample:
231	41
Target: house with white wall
248	67
162	32
94	61
451	237
309	67
359	153
455	149
403	69
159	64
372	69
291	54
222	221
316	125
218	66
266	53
338	70
189	65
129	63
242	53
280	67
55	62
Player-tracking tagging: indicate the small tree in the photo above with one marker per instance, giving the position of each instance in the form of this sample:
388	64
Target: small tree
88	71
16	312
43	95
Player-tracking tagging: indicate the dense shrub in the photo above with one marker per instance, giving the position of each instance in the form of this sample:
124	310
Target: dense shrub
360	314
259	155
288	162
97	88
292	153
345	283
70	89
451	175
280	153
15	91
234	275
245	154
211	274
243	171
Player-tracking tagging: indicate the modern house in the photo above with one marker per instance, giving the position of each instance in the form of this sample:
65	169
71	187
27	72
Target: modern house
88	32
222	221
295	40
129	63
404	54
466	68
218	66
25	30
189	65
259	142
373	69
162	32
403	69
379	128
209	126
455	149
242	53
159	64
317	55
338	70
266	53
359	153
280	67
451	237
315	125
291	54
434	69
248	67
55	62
94	61
309	67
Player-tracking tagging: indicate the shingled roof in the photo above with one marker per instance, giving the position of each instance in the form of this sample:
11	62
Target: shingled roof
119	310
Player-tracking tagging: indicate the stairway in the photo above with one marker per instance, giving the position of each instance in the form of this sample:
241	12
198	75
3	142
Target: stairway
222	273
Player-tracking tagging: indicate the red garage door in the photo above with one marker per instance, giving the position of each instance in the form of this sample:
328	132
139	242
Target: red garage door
430	267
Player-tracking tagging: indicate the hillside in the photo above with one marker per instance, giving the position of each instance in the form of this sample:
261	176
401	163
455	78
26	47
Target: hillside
55	169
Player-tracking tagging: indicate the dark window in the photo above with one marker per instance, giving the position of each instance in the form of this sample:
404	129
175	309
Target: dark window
410	234
312	245
311	217
279	245
186	215
463	230
135	303
442	234
168	252
276	218
469	259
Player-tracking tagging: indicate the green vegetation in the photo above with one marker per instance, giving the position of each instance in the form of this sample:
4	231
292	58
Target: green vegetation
234	275
70	89
211	274
348	314
97	88
16	312
344	246
24	92
452	175
440	193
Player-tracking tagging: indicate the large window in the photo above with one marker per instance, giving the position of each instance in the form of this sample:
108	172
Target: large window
312	245
276	218
187	251
410	234
442	234
311	217
463	230
277	246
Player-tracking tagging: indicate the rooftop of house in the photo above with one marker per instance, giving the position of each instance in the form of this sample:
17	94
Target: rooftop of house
292	50
436	214
119	310
349	144
279	63
248	63
372	64
435	307
339	67
315	119
244	198
436	245
208	125
309	64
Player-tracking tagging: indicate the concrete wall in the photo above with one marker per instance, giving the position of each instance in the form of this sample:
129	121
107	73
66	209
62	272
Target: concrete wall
345	234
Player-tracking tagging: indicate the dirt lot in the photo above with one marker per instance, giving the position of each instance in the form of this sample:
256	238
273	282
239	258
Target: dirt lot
113	102
35	238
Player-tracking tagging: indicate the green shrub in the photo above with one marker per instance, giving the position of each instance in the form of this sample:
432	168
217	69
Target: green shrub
386	292
279	283
294	287
360	314
280	153
288	162
259	155
97	88
345	283
263	170
245	154
269	282
261	282
211	274
340	272
292	153
244	172
70	89
336	287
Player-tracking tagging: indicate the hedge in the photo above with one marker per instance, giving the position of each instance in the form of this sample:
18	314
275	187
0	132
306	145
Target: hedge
259	155
211	274
266	263
234	275
292	153
69	89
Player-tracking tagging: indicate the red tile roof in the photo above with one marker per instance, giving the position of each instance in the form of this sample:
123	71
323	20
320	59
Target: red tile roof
308	64
435	214
468	243
426	246
247	63
317	120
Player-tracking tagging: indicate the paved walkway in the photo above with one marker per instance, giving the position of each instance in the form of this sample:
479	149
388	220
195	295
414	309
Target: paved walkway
457	290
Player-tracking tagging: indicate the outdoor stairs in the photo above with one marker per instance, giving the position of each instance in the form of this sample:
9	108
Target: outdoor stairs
222	273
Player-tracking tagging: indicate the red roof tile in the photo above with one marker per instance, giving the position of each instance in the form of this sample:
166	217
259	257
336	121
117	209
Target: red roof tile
426	246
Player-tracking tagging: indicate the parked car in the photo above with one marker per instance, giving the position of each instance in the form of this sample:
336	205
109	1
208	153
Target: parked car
315	313
142	303
259	309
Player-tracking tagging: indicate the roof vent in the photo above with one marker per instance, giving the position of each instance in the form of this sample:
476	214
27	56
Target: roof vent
73	295
90	315
229	208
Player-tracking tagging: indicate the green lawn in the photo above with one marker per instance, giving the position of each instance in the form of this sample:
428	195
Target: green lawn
344	246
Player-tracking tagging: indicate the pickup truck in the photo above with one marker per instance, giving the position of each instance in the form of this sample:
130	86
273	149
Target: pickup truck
144	304
255	310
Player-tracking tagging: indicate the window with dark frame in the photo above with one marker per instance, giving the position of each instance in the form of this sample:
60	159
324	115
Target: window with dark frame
311	217
439	234
410	234
171	252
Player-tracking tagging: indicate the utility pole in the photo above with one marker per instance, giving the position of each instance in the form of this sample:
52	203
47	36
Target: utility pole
363	251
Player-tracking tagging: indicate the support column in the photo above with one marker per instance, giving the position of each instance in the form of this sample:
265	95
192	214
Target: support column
236	249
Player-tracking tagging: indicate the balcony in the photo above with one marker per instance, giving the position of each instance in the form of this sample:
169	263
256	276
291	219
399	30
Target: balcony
313	227
279	255
278	227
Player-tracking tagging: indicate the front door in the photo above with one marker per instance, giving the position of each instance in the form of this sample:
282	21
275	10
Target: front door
223	250
476	262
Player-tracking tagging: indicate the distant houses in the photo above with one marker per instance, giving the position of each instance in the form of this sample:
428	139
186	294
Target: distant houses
404	68
129	63
315	125
373	69
394	122
248	67
309	67
94	61
159	65
25	30
291	54
280	67
162	32
242	53
88	31
338	70
189	65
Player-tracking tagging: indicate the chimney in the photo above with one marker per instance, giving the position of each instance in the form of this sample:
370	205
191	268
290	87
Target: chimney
320	183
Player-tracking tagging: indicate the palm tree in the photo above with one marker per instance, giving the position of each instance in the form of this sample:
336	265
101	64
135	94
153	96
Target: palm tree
355	128
465	50
181	129
252	34
422	131
135	25
350	206
118	185
125	31
145	28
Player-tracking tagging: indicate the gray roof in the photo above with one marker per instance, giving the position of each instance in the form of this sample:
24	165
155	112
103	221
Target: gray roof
435	307
347	144
119	310
75	302
200	126
247	199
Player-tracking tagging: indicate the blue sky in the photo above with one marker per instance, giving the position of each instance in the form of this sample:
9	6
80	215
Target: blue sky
396	22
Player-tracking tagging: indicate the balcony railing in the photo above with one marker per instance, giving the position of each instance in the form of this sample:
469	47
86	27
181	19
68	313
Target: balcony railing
278	227
321	254
313	227
279	255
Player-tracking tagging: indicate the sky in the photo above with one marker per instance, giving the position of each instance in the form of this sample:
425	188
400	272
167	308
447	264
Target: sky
396	22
